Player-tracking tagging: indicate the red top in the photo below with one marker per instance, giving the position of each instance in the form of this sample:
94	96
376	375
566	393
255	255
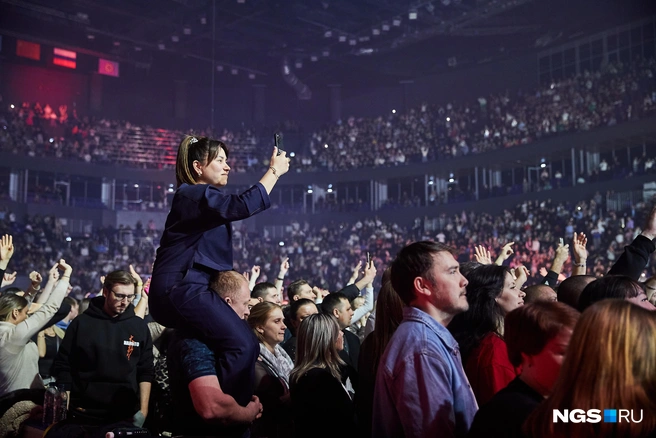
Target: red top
488	368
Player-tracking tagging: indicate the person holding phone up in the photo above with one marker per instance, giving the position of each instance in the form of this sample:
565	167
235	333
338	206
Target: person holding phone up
197	244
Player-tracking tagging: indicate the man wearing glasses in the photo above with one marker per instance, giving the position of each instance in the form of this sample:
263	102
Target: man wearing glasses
106	359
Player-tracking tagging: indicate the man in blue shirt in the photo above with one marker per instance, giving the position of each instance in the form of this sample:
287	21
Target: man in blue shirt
421	387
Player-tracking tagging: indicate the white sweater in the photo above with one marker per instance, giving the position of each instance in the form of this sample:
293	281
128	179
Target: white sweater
19	356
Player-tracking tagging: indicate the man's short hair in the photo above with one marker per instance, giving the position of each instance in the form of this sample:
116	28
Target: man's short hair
570	289
261	290
295	288
414	260
119	276
611	286
70	301
332	302
536	293
227	283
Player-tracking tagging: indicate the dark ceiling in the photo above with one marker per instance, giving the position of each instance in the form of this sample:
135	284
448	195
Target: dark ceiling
324	40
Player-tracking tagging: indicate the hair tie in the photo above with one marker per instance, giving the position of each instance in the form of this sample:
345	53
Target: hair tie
193	140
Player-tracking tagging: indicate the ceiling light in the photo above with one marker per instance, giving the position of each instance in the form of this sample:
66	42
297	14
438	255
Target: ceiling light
175	38
251	76
342	38
161	46
314	58
328	34
186	30
326	52
91	37
299	64
375	31
396	21
412	15
234	71
385	27
353	42
219	68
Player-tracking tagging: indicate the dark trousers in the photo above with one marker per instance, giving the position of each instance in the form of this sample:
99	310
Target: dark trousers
191	305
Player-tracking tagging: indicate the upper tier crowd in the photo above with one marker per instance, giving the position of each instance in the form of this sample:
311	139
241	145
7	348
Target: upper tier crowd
615	94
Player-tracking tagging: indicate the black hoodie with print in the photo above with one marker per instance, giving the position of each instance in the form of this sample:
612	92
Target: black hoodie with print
102	360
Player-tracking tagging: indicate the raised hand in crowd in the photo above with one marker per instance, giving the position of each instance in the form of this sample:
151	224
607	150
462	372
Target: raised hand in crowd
282	272
319	293
505	253
521	274
8	279
284	267
561	256
255	274
53	277
369	276
649	229
356	273
140	298
68	270
6	250
482	255
35	283
579	243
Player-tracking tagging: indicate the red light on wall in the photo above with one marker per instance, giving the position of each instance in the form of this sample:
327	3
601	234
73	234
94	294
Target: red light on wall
64	58
64	62
28	50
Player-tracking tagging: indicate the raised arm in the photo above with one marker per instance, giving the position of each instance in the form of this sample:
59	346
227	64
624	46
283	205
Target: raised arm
6	251
53	276
356	272
562	253
368	305
35	284
579	243
284	269
636	255
32	325
505	253
140	297
278	166
255	274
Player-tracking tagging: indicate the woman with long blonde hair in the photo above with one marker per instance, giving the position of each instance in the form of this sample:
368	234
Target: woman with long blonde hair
610	364
316	381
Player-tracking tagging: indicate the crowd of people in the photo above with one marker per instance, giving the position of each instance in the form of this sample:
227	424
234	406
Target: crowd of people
615	94
468	333
481	323
204	342
326	255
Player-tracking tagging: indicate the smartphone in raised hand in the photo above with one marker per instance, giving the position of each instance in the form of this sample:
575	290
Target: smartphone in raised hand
277	140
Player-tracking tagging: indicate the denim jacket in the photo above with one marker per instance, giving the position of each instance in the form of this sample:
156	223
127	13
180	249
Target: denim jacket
421	387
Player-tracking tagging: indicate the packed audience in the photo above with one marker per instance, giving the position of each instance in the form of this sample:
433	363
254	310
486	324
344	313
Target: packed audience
326	255
509	323
506	330
616	94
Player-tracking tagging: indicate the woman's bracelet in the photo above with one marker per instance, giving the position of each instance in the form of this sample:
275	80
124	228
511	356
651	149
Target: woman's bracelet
275	172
